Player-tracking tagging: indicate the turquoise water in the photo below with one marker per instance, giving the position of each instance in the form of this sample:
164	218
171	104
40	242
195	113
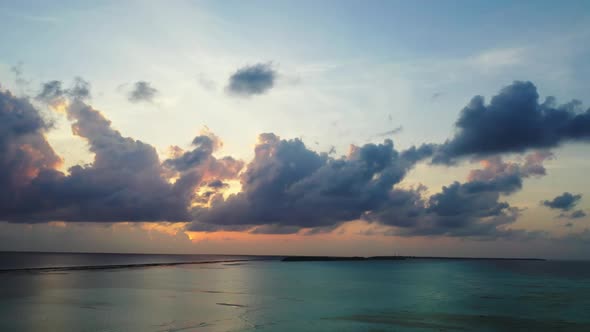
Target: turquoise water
412	295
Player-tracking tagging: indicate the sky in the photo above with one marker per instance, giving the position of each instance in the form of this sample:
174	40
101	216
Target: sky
296	127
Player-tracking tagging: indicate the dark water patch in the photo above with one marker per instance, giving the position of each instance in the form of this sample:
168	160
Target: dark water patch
173	326
548	297
232	305
491	297
449	321
291	299
73	302
399	321
219	292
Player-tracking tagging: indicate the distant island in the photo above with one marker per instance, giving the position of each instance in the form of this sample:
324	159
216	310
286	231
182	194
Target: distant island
393	258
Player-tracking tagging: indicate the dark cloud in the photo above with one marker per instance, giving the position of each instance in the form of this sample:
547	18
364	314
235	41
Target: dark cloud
53	93
288	184
142	92
514	121
578	214
199	167
24	151
473	208
390	132
506	177
80	89
123	183
414	155
288	187
252	80
565	201
217	184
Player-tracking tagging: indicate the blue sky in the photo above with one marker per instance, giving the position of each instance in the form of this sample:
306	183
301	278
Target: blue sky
346	72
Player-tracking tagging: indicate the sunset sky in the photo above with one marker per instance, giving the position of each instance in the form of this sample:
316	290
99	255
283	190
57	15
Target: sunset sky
299	127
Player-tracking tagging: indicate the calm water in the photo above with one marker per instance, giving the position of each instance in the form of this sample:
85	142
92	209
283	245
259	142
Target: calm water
269	295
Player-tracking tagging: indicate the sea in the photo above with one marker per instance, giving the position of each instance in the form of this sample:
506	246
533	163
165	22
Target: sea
152	293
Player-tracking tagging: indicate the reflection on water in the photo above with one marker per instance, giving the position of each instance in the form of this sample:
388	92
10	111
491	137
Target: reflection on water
327	296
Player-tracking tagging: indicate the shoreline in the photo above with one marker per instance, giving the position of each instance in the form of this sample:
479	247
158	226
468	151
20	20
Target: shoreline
397	258
116	266
284	258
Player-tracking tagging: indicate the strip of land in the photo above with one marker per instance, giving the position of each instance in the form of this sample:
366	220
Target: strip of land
117	266
284	259
394	258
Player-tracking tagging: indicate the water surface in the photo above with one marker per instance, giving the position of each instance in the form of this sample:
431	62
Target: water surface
269	295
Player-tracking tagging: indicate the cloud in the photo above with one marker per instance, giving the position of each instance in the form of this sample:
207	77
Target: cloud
285	188
142	92
24	151
578	214
288	184
390	132
198	168
275	229
435	96
80	89
125	182
514	121
564	202
288	187
471	209
252	80
205	82
53	93
217	184
506	177
17	70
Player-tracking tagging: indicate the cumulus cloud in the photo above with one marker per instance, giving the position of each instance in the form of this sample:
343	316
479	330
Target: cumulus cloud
564	202
24	151
252	80
506	177
473	208
199	168
125	182
288	184
142	92
287	187
514	121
